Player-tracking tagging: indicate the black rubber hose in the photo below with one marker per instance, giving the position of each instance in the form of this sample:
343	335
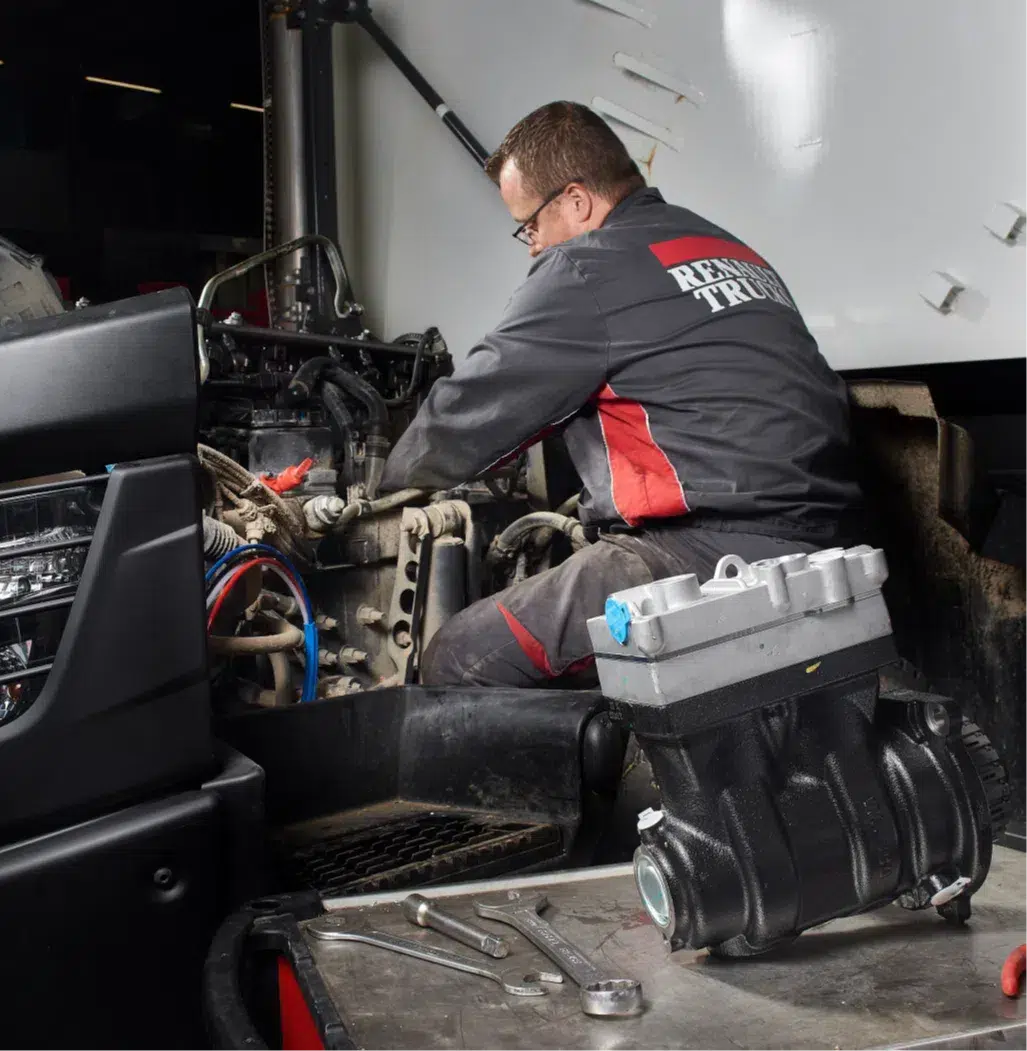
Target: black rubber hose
341	416
426	340
377	413
302	384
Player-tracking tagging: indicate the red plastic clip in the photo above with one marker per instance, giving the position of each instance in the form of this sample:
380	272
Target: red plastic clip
1012	971
289	478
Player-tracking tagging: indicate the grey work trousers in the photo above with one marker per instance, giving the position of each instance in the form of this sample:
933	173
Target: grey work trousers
534	633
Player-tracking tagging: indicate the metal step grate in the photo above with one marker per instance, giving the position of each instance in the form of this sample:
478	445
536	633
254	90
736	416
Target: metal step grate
419	851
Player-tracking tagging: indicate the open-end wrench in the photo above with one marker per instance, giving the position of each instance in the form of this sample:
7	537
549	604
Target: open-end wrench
600	994
518	983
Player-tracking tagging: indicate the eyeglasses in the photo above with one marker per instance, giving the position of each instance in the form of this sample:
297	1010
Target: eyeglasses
521	233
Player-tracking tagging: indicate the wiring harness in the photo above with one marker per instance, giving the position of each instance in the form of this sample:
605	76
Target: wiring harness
231	567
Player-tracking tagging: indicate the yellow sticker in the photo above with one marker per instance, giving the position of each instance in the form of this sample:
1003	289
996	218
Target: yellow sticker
813	667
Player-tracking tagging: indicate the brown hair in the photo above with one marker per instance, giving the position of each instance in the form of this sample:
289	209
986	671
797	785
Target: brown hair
563	142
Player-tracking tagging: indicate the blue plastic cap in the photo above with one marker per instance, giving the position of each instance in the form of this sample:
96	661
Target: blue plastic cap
618	619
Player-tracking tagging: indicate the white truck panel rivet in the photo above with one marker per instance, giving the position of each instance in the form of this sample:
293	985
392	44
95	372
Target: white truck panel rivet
1006	222
941	289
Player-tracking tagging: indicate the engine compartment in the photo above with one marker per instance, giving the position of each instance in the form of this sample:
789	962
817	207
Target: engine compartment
295	428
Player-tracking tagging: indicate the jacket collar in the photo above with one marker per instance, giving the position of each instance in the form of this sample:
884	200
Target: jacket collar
635	199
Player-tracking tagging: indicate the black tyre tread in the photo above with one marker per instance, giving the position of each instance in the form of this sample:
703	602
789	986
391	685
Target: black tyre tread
993	775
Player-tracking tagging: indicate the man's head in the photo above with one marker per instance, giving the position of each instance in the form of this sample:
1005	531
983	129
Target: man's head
560	171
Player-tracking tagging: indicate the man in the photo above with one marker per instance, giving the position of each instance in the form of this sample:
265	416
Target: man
693	400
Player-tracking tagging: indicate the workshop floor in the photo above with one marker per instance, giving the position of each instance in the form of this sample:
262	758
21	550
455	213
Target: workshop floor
891	978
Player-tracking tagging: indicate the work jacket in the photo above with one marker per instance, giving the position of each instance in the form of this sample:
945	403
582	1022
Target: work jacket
675	362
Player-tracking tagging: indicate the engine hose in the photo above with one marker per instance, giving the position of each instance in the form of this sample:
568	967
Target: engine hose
362	508
288	637
544	537
377	414
426	340
218	538
302	384
341	416
281	669
510	540
570	505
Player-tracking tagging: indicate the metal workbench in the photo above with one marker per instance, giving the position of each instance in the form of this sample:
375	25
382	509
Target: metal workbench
891	978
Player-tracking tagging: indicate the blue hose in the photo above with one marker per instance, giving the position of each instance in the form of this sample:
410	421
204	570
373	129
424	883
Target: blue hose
311	643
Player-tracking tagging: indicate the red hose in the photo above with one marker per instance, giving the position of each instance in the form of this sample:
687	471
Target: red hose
1012	971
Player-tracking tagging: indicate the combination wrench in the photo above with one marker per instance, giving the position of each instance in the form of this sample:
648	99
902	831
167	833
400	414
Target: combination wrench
601	994
517	983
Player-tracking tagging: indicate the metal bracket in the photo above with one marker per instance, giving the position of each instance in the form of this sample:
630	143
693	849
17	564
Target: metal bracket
322	12
312	13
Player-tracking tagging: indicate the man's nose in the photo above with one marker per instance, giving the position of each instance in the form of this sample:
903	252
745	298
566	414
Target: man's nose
535	249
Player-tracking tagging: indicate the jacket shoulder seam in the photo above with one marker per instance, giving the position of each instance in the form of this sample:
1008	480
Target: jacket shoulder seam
599	309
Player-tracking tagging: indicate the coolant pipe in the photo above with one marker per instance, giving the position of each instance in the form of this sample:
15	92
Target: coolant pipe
514	535
288	637
429	337
332	513
302	385
377	413
343	418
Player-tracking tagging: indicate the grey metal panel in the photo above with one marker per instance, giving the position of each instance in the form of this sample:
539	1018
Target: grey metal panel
886	979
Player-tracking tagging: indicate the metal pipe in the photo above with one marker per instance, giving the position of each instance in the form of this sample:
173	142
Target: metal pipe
288	637
342	308
282	671
515	534
423	88
289	188
256	334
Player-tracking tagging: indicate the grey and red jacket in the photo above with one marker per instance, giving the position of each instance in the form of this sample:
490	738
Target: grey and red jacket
674	361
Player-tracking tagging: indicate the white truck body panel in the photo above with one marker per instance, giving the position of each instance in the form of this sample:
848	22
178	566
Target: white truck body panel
862	148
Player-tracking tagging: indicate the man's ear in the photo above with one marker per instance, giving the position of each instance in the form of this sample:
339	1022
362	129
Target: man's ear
583	203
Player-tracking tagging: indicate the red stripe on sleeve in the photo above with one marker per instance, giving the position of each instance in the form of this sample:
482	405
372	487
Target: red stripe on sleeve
643	481
685	249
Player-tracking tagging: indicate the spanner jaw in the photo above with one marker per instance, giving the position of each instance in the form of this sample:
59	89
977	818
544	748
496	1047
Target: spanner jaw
601	995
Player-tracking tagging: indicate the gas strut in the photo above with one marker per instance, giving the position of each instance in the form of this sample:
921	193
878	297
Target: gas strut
359	13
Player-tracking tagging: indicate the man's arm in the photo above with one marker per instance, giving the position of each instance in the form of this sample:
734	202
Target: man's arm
543	362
